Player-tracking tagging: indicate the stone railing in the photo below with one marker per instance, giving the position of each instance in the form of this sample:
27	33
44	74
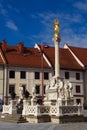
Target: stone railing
7	109
55	110
36	110
65	110
44	110
29	110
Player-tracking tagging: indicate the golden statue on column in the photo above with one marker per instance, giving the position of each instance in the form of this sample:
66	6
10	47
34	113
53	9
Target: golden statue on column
56	30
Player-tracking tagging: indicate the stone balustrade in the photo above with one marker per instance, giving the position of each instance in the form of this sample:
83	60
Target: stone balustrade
55	110
36	110
7	109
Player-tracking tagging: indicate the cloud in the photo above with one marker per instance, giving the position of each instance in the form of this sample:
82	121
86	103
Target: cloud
11	25
11	8
3	11
81	5
68	27
76	40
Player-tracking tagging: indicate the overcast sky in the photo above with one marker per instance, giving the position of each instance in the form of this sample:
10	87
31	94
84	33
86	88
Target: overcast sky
32	21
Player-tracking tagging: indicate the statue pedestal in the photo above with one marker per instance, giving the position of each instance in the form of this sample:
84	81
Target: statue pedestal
14	107
49	102
33	101
65	102
52	94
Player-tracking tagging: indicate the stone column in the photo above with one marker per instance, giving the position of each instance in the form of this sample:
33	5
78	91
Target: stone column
56	40
57	64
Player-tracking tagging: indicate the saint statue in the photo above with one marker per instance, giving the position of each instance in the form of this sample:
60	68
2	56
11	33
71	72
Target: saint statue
56	30
21	92
68	90
60	89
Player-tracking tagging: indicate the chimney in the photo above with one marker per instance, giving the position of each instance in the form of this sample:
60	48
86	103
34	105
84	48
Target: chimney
4	45
21	47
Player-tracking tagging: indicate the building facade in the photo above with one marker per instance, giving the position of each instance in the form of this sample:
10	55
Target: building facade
27	67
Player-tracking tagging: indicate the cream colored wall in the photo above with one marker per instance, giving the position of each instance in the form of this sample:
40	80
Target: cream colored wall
75	82
29	81
85	88
1	82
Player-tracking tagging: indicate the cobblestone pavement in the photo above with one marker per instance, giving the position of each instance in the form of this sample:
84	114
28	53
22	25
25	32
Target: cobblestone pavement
42	126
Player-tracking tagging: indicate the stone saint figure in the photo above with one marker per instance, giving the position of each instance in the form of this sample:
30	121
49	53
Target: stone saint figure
52	83
68	90
33	92
56	30
21	92
60	89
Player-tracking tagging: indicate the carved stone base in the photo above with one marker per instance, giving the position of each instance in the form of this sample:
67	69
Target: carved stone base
50	102
67	119
38	119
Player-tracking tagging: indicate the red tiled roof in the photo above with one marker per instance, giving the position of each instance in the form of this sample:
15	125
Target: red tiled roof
81	53
67	61
1	61
31	57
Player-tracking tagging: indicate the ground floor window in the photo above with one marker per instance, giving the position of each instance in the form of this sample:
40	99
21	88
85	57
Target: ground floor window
78	101
11	88
44	89
78	89
24	87
37	89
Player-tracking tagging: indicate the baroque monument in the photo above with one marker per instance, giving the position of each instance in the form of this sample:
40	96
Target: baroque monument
58	88
58	105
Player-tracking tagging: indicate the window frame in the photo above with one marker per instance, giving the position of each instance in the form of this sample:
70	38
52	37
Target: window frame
11	74
78	89
78	100
46	75
37	90
67	75
37	75
77	76
22	74
11	88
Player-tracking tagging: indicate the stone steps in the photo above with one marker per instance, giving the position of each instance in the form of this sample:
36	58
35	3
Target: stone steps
17	118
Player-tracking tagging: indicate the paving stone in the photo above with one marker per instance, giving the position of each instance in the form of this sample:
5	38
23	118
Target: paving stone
42	126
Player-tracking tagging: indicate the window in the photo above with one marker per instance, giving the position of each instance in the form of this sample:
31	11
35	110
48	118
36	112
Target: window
78	101
66	75
23	75
11	88
37	89
77	88
24	87
46	75
77	76
37	75
11	74
44	89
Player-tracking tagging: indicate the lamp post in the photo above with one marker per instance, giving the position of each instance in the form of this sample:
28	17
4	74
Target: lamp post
42	70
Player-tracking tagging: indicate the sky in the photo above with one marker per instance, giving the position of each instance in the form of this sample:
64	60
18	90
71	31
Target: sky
31	21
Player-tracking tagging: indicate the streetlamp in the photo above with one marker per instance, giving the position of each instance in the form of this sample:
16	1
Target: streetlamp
42	70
